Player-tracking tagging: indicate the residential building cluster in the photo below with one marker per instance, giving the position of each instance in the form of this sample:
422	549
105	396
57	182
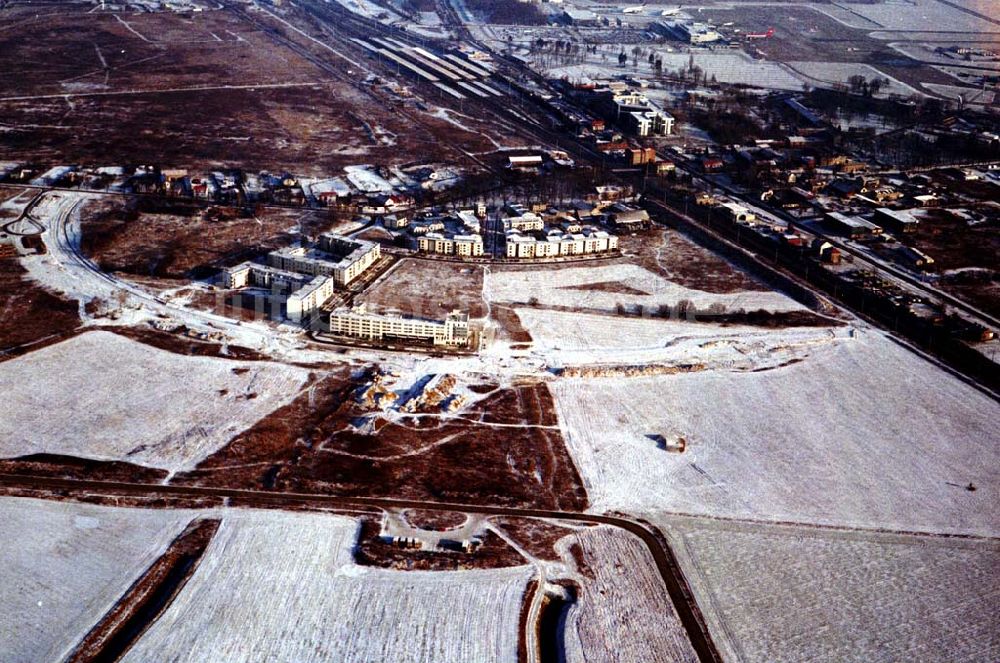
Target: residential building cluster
301	280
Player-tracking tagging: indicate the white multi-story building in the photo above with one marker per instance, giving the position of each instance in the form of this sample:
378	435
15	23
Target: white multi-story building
340	257
358	323
557	243
458	245
634	111
302	294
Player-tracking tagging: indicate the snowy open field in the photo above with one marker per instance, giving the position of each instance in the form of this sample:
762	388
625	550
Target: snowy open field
794	594
100	395
928	15
626	590
727	67
827	74
860	432
282	587
568	287
567	338
65	565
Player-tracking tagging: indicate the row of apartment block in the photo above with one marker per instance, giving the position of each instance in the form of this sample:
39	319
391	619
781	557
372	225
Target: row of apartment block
357	322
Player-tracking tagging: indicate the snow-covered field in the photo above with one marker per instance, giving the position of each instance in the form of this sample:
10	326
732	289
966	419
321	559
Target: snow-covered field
567	338
826	74
282	587
566	287
929	15
794	594
727	67
100	395
65	565
970	94
624	610
860	432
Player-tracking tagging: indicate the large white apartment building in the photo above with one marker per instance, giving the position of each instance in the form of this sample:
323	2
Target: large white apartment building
343	258
557	243
302	293
356	322
458	245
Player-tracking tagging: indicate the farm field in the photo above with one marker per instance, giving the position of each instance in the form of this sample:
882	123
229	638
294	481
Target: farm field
283	587
794	594
102	396
65	565
857	432
588	288
622	610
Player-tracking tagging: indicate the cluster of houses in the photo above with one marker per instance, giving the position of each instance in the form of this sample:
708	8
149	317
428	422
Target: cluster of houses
586	226
364	188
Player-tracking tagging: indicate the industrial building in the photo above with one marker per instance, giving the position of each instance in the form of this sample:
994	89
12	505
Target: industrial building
356	322
900	221
851	226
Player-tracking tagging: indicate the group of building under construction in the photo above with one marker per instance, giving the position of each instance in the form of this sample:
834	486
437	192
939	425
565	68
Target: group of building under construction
298	282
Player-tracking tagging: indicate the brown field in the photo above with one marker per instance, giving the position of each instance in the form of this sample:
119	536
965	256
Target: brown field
954	245
310	445
430	289
180	240
674	256
30	316
510	324
371	550
206	89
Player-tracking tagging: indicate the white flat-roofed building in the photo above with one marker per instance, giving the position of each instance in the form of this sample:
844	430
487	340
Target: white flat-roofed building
301	293
343	258
358	323
523	222
308	298
557	243
459	245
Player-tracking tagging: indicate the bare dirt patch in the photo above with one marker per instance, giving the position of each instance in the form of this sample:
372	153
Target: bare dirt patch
438	521
30	316
675	256
608	286
429	289
537	537
181	239
510	324
505	449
